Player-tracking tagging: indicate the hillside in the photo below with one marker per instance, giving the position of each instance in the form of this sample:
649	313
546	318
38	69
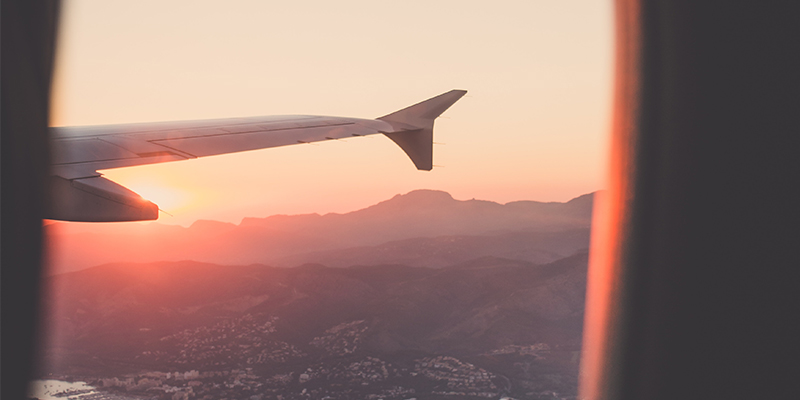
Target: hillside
122	318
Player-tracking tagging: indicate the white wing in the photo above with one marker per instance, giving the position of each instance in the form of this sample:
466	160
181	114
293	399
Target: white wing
79	193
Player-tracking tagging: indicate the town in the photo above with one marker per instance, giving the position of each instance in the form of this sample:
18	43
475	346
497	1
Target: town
226	343
369	378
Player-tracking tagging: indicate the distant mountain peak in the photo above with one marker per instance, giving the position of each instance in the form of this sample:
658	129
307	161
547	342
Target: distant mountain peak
415	199
423	195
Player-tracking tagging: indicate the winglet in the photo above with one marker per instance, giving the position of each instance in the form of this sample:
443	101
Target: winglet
413	127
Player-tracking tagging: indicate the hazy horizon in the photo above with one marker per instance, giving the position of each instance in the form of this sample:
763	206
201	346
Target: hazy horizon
166	220
366	235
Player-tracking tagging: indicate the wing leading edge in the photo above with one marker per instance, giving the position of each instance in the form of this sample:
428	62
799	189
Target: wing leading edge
80	193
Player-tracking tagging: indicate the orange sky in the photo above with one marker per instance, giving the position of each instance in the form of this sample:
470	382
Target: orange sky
533	125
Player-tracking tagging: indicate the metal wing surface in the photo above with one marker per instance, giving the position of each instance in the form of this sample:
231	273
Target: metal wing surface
80	193
79	151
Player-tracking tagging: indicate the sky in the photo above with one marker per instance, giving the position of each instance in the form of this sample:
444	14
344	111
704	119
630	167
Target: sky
533	126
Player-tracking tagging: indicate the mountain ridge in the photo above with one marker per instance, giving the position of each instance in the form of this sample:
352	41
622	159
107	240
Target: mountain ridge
289	240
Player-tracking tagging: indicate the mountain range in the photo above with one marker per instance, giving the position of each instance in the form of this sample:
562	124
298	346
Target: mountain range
423	228
419	295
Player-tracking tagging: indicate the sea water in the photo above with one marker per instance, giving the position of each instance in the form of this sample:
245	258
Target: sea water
52	389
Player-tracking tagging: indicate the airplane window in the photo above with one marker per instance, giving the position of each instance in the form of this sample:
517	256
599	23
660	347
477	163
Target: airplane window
317	236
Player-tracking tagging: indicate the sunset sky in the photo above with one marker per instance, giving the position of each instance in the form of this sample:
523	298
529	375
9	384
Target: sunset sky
532	127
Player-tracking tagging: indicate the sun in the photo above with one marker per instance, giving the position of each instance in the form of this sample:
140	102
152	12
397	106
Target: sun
167	198
165	194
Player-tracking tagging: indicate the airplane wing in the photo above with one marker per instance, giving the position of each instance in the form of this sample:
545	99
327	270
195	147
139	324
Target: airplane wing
80	193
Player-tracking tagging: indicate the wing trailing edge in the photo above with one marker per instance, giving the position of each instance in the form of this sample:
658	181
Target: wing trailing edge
413	127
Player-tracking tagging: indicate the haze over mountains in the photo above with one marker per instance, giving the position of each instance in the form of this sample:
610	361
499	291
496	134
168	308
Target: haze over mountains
423	228
418	296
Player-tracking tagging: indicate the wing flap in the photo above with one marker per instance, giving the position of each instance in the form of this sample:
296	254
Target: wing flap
85	150
230	143
141	148
74	171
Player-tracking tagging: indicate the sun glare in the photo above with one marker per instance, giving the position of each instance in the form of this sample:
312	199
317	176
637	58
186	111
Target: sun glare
168	198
